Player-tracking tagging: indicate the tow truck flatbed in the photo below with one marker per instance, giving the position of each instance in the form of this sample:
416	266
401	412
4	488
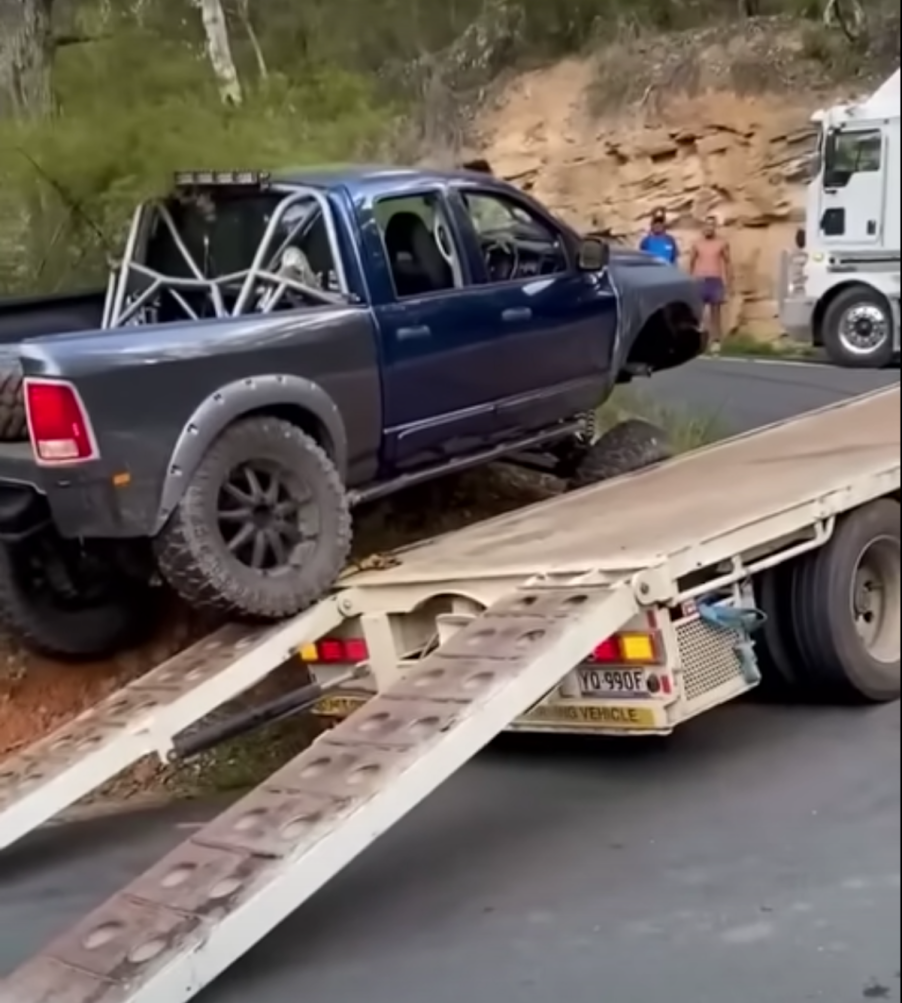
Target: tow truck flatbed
749	485
467	635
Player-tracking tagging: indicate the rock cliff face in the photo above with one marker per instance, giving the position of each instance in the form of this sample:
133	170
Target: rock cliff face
694	144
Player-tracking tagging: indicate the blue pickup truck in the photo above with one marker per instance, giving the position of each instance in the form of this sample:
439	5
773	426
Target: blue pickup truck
273	352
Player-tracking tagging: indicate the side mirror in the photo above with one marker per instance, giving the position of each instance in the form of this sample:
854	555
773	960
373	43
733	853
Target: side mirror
594	255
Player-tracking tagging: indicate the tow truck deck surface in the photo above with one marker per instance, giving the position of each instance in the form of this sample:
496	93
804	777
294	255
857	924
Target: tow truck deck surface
539	588
790	470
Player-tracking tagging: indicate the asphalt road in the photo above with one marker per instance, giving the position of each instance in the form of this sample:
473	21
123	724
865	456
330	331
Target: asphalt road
754	857
744	394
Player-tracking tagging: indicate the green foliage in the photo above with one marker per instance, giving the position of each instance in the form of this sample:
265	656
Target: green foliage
688	428
137	100
127	123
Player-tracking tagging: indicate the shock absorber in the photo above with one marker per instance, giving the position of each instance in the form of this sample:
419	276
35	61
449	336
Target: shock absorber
588	432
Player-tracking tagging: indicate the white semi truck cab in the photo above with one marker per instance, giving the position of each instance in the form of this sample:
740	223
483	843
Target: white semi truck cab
839	289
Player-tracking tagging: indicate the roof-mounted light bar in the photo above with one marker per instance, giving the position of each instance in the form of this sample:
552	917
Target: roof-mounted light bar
222	179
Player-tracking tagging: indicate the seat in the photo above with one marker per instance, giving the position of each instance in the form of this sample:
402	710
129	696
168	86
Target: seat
416	262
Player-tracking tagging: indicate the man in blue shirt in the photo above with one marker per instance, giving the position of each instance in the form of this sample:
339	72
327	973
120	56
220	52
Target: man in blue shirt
658	242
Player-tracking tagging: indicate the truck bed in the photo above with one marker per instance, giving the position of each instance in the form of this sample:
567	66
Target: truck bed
675	509
37	317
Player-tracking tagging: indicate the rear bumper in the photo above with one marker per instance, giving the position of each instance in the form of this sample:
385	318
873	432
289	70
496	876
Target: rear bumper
80	503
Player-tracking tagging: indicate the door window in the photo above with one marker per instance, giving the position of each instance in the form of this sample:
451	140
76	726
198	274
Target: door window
418	244
850	153
515	242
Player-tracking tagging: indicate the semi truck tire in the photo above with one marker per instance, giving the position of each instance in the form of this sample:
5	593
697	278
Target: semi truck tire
263	528
37	606
846	608
632	445
857	329
13	426
776	647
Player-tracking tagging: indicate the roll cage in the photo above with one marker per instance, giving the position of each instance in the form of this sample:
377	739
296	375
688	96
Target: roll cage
279	243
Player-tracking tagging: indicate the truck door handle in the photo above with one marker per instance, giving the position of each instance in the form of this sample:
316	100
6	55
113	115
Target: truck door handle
516	313
418	331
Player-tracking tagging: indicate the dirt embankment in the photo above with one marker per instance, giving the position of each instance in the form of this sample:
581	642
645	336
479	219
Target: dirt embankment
715	121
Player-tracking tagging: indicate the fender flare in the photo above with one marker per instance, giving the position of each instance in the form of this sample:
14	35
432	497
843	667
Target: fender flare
231	402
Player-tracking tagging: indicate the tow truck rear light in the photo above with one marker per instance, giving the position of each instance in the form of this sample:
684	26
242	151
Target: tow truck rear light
629	648
335	651
58	424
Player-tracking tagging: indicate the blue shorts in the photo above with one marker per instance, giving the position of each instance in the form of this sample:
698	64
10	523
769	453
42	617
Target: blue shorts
714	291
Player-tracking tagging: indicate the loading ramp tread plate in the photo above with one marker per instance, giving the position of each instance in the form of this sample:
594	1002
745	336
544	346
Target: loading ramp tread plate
171	932
142	718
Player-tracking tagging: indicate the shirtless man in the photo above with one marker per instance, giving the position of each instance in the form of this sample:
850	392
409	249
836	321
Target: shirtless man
710	263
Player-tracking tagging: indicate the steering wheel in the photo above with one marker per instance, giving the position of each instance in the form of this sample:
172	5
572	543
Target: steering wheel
502	258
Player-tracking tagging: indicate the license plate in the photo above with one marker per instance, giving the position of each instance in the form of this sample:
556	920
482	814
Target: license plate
604	682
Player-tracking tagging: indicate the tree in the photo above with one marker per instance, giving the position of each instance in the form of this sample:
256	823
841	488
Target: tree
244	12
26	57
219	50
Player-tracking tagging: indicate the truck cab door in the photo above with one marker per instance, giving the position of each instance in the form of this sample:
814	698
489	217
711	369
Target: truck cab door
438	384
551	328
853	196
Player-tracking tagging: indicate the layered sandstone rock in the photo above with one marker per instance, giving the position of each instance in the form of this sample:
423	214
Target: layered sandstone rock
708	147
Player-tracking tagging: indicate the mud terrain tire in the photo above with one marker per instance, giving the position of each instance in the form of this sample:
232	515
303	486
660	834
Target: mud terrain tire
13	426
632	445
122	615
199	552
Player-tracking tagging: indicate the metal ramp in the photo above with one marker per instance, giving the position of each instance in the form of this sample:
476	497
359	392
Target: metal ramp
142	718
176	928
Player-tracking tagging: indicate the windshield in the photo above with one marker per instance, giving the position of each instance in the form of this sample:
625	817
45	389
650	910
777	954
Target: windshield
816	163
489	213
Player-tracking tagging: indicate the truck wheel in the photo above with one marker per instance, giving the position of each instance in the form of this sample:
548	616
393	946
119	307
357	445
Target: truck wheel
776	647
632	445
61	602
858	329
13	426
846	608
264	527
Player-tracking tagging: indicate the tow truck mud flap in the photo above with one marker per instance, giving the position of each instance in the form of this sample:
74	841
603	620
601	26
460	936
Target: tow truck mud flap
142	718
176	928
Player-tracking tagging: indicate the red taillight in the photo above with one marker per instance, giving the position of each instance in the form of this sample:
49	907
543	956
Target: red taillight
57	423
336	651
628	648
607	651
356	650
331	651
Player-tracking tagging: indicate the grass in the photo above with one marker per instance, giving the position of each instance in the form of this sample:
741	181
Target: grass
688	428
746	346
